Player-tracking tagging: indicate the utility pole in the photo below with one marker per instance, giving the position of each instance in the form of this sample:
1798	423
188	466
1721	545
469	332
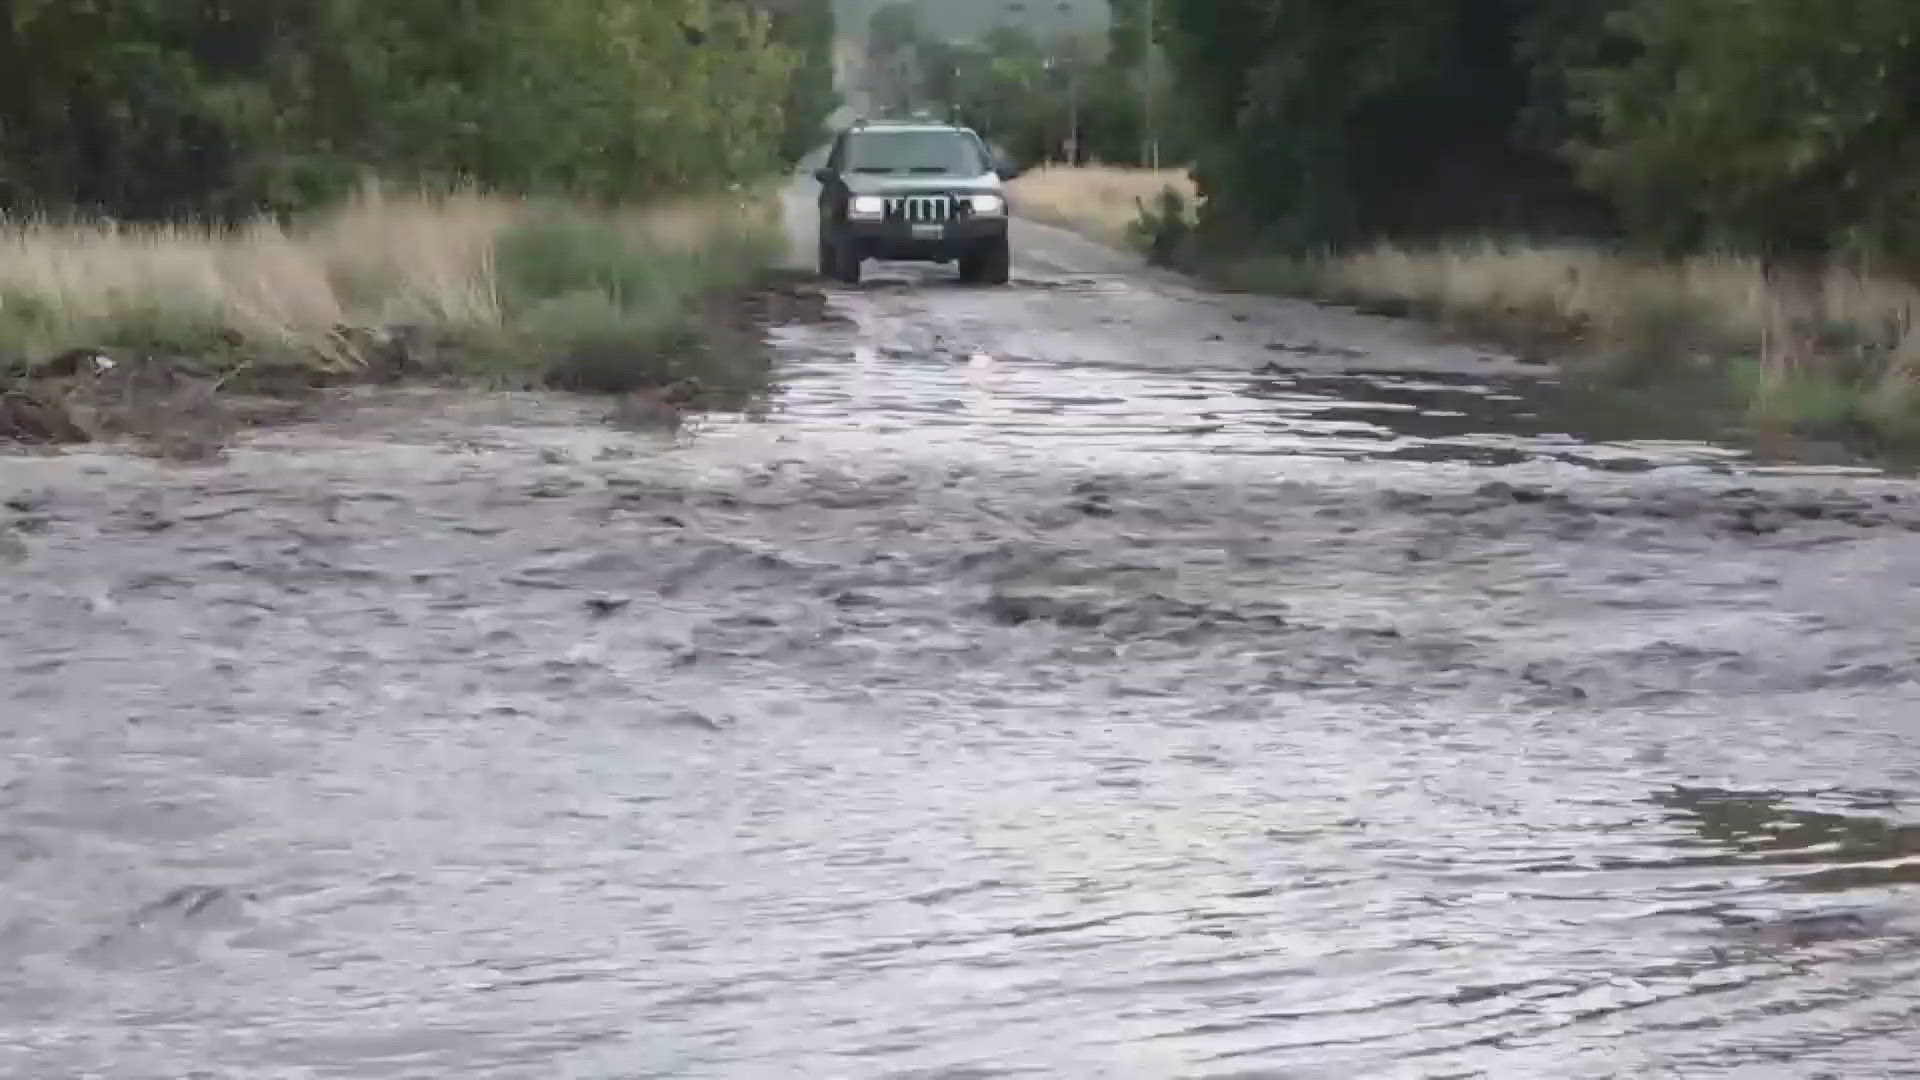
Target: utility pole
1073	113
1068	42
1149	140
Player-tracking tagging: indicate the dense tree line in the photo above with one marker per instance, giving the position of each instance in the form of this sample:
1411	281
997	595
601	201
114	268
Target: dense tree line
1073	95
807	29
1786	126
223	108
973	19
1789	127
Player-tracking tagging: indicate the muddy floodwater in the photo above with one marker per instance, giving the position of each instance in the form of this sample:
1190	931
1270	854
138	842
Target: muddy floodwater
1089	678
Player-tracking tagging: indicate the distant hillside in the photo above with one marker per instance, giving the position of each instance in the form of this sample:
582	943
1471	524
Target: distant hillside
972	18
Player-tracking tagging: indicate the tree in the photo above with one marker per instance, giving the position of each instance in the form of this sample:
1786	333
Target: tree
144	105
806	29
893	40
1030	93
894	28
1128	35
224	108
1333	121
1791	126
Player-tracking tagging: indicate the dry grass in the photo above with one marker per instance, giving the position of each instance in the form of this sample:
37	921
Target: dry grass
1728	301
500	289
1834	347
380	261
1098	201
179	288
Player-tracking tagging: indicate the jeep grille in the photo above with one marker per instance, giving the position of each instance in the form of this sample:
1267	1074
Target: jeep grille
920	209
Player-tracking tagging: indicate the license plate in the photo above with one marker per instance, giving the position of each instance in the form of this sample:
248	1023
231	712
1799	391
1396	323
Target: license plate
929	232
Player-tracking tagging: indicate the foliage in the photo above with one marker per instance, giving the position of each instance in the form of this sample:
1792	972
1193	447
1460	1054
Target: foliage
1325	121
595	303
1128	35
175	108
1790	125
1785	127
894	27
892	33
806	28
972	19
147	323
1056	98
1162	229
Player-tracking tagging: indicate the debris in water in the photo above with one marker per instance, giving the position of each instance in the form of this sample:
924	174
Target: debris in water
607	606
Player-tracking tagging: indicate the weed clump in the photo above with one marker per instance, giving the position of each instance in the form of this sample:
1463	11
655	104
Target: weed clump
1164	230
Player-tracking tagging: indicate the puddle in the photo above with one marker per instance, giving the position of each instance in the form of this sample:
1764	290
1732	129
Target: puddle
949	393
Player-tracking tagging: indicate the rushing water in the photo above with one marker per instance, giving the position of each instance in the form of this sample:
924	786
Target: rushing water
971	714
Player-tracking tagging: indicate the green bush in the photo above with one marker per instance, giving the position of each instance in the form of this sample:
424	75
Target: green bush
205	110
588	342
27	328
163	326
594	309
1164	231
562	254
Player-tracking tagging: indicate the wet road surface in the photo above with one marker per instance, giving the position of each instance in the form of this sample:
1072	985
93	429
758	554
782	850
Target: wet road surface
1091	678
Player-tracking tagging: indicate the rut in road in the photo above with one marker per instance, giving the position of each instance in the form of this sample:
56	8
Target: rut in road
1058	681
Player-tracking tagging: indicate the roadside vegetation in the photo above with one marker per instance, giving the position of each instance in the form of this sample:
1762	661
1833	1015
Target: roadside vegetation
1668	194
1669	189
114	330
1829	352
570	194
1103	202
1048	86
1831	349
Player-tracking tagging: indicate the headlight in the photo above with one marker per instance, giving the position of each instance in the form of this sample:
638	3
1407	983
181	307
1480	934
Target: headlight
989	205
868	206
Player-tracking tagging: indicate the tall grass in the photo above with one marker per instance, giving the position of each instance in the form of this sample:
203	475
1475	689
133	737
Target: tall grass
1835	347
1101	202
495	274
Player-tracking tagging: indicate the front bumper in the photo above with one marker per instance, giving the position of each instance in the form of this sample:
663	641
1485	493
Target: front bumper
897	240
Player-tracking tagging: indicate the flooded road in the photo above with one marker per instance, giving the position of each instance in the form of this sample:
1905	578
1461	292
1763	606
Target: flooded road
1091	678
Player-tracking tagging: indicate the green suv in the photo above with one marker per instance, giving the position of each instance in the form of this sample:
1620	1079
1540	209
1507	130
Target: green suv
913	193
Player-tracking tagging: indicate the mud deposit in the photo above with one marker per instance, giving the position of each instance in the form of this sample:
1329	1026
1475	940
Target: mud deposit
1040	690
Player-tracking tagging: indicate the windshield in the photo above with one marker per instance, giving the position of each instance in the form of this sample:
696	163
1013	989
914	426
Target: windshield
929	152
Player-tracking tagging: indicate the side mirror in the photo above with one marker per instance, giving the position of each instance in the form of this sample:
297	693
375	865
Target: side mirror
823	174
1008	171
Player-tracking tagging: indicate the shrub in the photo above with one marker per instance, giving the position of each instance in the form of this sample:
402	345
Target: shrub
1164	230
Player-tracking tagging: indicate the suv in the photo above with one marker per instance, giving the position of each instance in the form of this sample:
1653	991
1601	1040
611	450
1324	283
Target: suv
913	192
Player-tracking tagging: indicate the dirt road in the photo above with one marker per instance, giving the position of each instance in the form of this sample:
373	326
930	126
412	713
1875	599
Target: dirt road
1091	678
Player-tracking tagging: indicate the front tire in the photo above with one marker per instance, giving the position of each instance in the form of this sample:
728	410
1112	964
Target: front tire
846	263
993	264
